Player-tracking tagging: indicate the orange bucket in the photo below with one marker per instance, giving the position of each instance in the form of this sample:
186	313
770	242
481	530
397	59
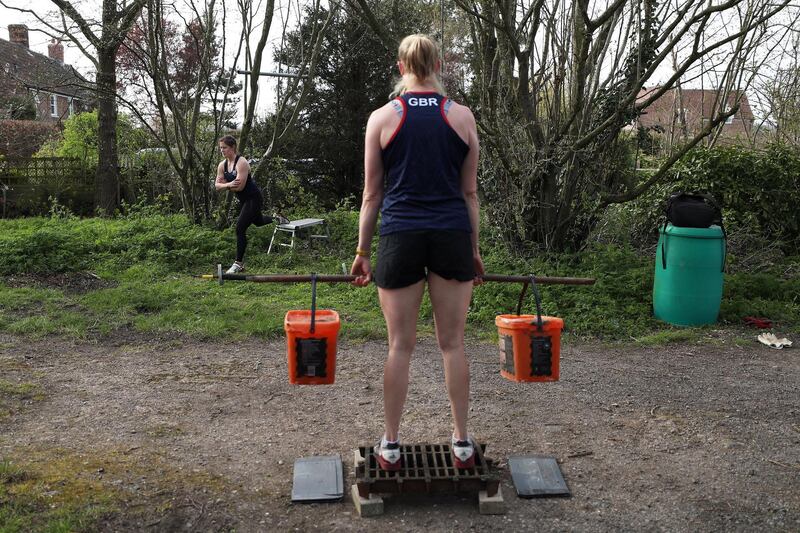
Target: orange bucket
311	346
527	353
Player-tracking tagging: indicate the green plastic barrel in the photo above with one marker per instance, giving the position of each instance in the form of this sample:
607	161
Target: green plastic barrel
687	289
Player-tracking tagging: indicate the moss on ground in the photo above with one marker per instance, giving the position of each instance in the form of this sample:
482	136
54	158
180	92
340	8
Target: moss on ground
12	395
55	490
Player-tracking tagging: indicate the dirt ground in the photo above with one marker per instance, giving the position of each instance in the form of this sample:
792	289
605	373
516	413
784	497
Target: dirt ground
202	436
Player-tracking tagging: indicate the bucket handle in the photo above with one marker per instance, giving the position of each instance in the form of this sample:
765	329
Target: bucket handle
536	297
313	300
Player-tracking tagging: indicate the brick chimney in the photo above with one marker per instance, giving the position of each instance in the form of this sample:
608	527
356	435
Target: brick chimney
55	50
18	33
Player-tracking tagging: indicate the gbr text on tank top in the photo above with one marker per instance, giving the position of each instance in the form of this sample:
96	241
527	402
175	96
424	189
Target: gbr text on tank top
422	165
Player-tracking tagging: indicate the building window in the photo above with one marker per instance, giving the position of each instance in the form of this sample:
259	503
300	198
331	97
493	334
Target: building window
71	106
53	105
729	120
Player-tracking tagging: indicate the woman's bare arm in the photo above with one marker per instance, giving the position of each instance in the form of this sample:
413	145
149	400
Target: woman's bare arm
373	191
220	184
242	174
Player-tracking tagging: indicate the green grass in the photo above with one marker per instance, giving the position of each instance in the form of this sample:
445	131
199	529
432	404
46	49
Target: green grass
670	336
54	497
13	394
57	490
152	260
21	390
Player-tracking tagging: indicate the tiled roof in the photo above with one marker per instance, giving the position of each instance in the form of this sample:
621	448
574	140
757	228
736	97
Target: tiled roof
37	71
693	100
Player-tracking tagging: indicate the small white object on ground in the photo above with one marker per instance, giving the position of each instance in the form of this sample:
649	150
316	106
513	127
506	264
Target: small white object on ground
774	342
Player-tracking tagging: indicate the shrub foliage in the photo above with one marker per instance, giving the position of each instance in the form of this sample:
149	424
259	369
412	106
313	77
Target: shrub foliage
150	257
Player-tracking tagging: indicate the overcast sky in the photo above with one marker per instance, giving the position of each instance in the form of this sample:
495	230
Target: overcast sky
73	56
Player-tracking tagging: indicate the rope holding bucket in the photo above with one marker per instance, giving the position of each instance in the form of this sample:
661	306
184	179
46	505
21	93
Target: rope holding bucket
313	301
537	298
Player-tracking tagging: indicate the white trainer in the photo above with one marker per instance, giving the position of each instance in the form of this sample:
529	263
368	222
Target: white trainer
464	452
235	268
388	455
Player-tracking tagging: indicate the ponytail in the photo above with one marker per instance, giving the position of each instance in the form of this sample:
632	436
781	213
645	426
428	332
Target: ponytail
419	55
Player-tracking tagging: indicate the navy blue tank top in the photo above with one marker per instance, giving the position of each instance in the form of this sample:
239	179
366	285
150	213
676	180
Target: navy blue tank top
250	190
422	165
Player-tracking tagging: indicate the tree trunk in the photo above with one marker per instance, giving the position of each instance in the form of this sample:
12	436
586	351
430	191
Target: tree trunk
107	177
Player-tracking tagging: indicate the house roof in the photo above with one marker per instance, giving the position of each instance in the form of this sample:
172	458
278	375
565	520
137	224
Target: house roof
693	100
37	71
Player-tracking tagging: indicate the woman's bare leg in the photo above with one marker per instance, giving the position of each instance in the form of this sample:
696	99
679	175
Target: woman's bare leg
450	300
401	309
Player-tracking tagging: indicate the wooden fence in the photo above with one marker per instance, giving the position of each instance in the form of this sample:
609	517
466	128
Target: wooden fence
29	185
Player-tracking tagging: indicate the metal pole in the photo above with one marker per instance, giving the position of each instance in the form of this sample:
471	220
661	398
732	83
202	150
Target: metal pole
541	280
273	74
347	278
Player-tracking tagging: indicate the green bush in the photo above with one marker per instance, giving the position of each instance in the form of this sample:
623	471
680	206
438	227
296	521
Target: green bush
80	138
755	187
759	191
43	245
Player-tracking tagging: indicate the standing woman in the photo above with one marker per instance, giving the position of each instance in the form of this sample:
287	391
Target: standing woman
233	173
420	166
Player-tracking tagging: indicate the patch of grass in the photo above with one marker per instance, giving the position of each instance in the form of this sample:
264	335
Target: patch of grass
54	496
767	295
52	320
58	490
23	391
39	312
742	342
669	336
15	299
152	259
165	430
12	394
11	473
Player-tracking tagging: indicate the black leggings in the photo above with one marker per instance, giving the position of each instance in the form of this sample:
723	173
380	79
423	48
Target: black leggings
250	214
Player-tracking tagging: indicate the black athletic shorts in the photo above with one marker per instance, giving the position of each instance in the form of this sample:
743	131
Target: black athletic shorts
403	257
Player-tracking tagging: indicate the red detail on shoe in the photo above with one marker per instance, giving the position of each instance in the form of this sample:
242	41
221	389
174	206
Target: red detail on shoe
386	465
469	463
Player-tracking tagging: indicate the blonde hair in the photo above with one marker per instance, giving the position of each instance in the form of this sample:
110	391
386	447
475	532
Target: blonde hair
419	54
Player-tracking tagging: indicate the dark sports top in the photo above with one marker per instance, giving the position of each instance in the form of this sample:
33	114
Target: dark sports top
422	165
250	190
